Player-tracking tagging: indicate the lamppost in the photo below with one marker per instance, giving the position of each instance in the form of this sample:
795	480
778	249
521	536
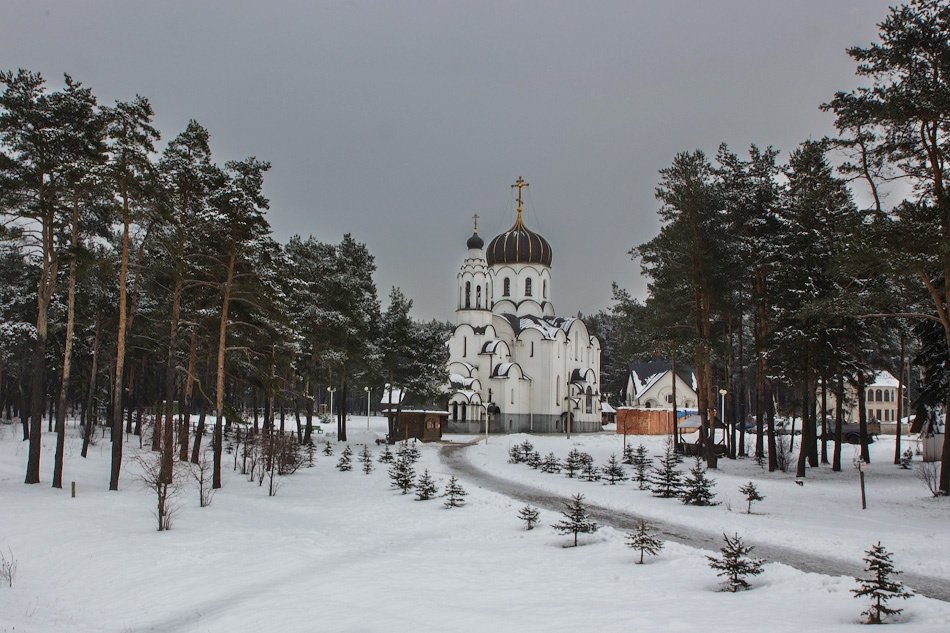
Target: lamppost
722	411
366	389
331	390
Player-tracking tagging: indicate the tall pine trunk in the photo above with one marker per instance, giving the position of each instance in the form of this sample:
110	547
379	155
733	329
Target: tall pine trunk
120	350
67	351
219	380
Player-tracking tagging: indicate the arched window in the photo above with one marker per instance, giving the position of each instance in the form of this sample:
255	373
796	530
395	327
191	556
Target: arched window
878	396
870	395
468	294
464	346
590	400
527	287
463	412
507	289
887	395
455	411
478	297
544	289
557	391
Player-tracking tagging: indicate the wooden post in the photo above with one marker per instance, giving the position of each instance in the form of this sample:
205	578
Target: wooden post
73	489
864	499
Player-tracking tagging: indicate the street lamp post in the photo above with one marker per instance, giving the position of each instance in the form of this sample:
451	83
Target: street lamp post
366	389
331	390
722	412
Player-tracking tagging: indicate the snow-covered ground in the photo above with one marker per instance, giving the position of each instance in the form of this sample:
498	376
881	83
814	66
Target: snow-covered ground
343	551
822	517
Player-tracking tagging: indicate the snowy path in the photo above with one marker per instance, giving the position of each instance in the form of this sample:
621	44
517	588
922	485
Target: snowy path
453	456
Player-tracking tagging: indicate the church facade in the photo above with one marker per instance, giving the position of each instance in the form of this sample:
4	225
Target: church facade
513	364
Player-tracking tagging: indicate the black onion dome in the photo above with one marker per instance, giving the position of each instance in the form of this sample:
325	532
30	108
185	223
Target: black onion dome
475	241
518	245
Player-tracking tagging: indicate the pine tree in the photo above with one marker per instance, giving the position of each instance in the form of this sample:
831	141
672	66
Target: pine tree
590	472
551	464
454	493
879	587
526	449
665	479
573	463
425	487
751	494
533	460
346	460
413	452
698	488
402	474
576	519
640	461
386	457
366	458
613	471
515	455
735	563
327	449
530	515
628	454
906	458
644	538
311	450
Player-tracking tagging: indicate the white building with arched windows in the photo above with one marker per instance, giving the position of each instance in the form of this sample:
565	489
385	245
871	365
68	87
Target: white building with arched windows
509	355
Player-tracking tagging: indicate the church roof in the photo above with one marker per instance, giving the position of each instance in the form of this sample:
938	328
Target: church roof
475	241
547	326
518	245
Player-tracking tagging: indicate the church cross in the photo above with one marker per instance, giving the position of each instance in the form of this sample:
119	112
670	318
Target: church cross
475	217
520	184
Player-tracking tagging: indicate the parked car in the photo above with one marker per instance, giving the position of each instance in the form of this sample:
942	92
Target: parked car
851	433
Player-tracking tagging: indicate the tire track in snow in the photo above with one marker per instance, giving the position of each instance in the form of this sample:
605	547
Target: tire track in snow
453	456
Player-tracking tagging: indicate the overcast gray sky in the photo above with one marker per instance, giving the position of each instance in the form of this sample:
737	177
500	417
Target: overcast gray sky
396	121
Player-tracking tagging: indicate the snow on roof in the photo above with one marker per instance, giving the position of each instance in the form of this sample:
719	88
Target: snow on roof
490	345
391	398
459	381
647	384
606	408
469	395
883	379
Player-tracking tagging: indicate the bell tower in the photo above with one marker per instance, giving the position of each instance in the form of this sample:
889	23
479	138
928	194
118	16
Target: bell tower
474	284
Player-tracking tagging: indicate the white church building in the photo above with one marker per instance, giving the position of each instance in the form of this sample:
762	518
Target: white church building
513	364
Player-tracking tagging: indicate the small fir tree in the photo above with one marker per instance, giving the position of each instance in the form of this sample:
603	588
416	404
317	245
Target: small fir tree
735	563
640	461
366	458
906	458
628	454
526	449
590	472
530	515
644	538
573	463
346	460
697	489
425	487
386	457
879	587
613	471
402	474
665	479
551	464
327	449
454	493
515	456
534	460
576	519
751	494
311	451
414	452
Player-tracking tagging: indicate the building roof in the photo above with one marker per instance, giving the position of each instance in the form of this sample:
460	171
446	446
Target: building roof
475	241
883	379
547	326
646	374
518	245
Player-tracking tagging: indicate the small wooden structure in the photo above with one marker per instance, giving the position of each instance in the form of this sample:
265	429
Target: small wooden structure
644	421
421	424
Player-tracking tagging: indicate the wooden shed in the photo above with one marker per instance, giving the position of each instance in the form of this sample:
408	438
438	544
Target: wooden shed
643	421
420	424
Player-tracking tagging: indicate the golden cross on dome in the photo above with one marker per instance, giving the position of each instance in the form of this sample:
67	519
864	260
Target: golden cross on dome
475	217
520	184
